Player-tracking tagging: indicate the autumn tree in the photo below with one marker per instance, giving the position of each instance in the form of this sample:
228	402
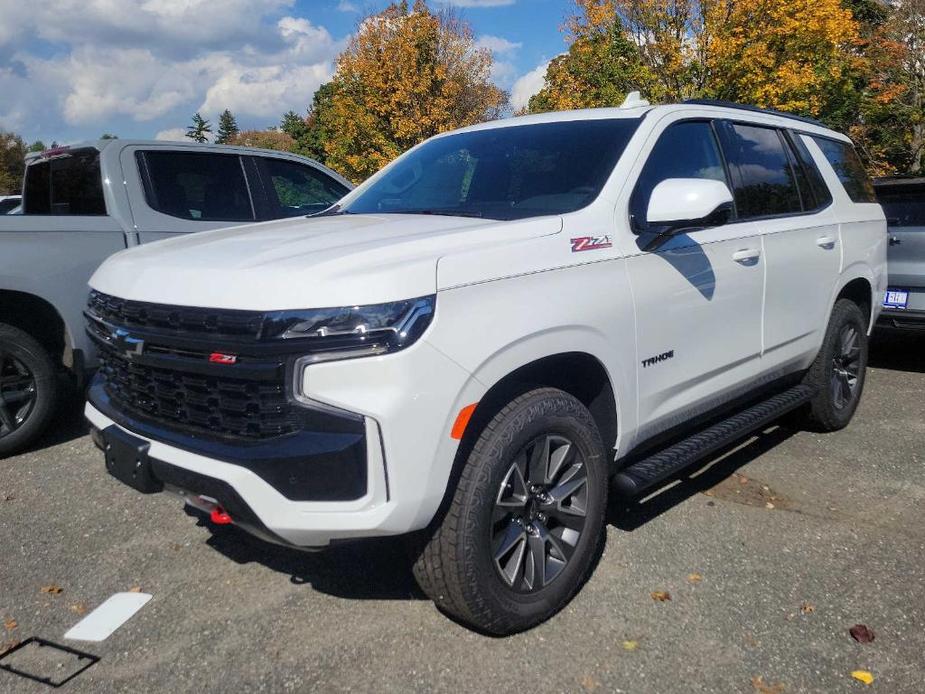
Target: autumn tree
227	128
407	74
601	66
12	162
199	130
265	139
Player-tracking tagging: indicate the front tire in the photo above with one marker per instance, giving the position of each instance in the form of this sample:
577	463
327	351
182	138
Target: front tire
840	369
29	389
526	519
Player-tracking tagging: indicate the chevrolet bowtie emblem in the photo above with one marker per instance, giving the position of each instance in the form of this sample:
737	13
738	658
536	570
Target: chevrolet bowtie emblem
123	341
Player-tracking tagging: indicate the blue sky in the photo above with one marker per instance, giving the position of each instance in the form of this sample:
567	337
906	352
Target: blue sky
74	69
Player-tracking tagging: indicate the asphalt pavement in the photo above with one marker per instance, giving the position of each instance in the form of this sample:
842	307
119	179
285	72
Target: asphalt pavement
769	557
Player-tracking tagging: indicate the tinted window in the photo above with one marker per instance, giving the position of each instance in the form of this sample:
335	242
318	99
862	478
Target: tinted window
819	195
904	206
8	204
298	189
204	187
67	184
503	173
684	150
848	166
764	181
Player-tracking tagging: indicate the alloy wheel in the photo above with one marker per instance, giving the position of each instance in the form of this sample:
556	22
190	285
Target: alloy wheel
17	393
539	513
846	367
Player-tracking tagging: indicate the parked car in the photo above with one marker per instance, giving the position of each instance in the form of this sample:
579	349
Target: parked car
8	203
903	201
85	202
474	342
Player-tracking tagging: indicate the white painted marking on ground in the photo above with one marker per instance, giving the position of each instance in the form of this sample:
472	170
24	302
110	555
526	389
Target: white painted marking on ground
105	619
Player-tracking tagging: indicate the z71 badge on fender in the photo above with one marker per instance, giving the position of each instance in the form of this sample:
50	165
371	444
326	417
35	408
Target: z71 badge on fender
590	243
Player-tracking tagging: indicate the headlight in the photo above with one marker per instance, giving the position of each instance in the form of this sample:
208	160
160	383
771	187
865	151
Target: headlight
352	331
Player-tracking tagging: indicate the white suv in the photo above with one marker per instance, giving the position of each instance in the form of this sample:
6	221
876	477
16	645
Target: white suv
482	338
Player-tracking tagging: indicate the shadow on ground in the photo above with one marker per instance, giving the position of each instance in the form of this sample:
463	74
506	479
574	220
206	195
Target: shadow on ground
898	351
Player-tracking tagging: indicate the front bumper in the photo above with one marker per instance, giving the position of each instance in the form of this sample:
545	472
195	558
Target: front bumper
255	504
901	319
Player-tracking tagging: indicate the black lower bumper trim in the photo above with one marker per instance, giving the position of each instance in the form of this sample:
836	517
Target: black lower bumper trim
314	464
902	320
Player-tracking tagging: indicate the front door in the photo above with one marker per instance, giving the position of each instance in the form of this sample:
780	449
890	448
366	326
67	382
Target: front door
698	297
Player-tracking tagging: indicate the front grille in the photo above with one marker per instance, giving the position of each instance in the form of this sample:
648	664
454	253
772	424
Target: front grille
170	383
180	319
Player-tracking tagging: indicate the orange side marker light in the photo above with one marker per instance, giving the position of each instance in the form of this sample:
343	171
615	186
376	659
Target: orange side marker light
462	421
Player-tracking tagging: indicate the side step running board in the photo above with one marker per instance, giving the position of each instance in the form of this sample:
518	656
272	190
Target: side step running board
660	466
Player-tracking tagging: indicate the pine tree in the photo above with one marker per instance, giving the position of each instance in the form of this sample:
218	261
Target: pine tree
199	130
227	128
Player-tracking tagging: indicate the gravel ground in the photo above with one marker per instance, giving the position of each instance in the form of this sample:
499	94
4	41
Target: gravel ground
769	557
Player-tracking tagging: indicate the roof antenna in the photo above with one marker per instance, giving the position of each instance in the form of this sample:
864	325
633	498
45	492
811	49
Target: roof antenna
634	100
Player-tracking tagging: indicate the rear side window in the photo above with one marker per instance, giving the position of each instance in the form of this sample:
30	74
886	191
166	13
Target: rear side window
298	189
198	186
848	167
904	206
764	181
67	184
684	150
818	194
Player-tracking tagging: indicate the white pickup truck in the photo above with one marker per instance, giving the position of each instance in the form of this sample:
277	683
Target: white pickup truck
476	344
83	203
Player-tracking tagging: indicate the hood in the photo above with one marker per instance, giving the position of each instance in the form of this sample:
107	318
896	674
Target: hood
305	263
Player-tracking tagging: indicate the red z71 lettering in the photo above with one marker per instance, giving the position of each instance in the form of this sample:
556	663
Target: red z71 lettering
590	243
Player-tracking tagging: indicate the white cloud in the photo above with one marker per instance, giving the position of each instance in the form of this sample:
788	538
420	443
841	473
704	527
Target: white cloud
347	6
497	44
172	135
528	85
265	91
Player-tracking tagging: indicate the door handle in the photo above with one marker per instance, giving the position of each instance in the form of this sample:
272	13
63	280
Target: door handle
826	242
746	256
895	240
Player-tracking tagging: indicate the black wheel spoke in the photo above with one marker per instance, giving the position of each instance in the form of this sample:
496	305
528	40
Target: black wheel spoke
17	393
539	513
6	419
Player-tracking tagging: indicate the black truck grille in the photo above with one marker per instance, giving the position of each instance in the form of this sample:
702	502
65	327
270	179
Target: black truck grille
172	382
180	319
216	406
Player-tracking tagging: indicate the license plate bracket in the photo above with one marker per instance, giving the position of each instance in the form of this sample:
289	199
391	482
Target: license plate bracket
127	460
896	298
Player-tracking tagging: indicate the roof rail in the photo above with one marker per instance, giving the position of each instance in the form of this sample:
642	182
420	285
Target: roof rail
755	109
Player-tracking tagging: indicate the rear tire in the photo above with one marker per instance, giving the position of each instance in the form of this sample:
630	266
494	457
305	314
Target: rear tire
526	520
29	389
839	370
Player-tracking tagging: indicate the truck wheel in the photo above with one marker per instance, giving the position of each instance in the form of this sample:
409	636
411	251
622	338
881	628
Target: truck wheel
28	389
839	370
526	519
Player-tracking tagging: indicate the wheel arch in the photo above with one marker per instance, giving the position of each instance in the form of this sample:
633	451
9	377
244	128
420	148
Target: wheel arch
857	285
38	317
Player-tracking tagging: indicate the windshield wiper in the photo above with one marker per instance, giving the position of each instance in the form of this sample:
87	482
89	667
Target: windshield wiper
330	212
442	213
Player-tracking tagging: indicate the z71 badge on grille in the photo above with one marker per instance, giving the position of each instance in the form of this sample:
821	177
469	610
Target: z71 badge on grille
590	243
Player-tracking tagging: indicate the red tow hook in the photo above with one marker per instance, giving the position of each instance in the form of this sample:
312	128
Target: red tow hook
220	516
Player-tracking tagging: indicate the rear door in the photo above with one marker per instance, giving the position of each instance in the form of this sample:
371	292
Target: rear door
788	200
175	191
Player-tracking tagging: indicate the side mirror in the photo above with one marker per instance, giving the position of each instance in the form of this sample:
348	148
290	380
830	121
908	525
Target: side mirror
682	203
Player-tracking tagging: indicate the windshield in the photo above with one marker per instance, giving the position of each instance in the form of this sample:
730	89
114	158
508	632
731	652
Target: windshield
502	173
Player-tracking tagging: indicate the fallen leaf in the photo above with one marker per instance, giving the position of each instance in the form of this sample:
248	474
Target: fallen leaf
709	492
769	505
8	646
711	503
743	479
661	595
807	608
589	683
630	645
78	608
766	688
9	497
53	589
134	589
863	676
861	633
694	578
10	624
